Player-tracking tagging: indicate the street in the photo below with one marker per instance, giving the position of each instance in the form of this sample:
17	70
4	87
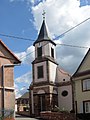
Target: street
18	117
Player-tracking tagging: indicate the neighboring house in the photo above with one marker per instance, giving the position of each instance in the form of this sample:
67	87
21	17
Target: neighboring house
23	103
50	86
81	87
7	62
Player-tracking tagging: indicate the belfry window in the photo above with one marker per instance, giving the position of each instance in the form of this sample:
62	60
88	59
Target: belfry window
40	72
39	51
52	52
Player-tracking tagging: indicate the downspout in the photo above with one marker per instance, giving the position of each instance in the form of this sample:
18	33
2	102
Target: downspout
72	83
3	91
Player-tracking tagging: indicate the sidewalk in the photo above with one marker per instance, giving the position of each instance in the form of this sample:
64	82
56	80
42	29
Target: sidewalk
25	118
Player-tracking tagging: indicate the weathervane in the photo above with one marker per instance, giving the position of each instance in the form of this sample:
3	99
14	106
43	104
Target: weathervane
43	14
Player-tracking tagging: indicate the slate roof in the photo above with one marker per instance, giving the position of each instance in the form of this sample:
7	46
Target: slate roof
43	35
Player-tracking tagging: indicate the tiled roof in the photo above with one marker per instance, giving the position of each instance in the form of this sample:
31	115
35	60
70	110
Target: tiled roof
25	95
15	58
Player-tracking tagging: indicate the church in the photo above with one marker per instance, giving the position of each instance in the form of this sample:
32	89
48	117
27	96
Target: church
51	86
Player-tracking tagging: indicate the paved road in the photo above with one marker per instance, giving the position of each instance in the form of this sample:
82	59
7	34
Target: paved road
18	117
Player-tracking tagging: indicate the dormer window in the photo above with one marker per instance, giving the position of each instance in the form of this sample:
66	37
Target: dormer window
39	51
52	52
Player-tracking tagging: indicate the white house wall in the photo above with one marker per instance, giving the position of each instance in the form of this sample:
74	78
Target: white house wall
65	103
80	96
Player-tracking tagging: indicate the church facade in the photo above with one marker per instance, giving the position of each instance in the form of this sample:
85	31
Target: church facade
51	86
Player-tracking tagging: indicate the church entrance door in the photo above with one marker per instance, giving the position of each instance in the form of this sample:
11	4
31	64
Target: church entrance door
41	103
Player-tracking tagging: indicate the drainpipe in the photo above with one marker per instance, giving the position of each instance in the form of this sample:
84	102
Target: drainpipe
3	91
3	86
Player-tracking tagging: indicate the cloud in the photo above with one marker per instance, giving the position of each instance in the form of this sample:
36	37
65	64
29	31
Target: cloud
26	78
19	91
61	16
22	84
27	56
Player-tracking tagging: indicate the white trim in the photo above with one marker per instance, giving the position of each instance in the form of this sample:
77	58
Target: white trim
41	92
10	88
42	86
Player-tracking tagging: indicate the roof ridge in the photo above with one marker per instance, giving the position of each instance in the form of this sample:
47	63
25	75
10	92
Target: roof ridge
63	72
10	51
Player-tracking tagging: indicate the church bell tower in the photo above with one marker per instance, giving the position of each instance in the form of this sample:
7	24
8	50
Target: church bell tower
43	91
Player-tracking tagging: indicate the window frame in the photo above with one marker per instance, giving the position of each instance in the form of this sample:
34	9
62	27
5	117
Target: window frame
52	52
86	88
40	73
86	106
39	51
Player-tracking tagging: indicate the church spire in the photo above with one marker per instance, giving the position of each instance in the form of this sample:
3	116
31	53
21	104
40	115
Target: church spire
43	34
43	14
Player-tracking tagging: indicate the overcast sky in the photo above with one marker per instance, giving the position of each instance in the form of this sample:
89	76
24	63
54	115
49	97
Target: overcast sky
61	15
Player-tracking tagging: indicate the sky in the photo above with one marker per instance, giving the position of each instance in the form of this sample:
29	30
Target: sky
23	18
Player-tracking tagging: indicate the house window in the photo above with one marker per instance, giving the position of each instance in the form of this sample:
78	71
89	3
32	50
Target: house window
87	107
40	72
52	52
39	51
86	84
22	101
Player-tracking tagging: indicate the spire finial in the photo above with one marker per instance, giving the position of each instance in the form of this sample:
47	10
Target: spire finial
43	14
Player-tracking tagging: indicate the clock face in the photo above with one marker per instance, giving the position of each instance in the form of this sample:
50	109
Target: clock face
64	93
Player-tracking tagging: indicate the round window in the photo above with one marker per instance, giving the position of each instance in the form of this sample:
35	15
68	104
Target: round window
64	93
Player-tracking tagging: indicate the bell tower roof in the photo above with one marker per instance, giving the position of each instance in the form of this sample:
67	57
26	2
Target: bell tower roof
43	34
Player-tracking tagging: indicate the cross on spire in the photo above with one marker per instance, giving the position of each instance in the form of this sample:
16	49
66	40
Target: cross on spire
43	14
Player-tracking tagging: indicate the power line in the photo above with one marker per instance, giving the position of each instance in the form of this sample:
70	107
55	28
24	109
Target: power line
28	39
72	28
68	45
55	38
33	51
16	37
